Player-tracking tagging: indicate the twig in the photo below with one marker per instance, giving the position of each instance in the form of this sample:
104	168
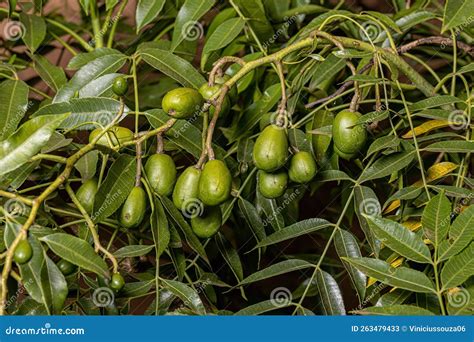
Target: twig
217	68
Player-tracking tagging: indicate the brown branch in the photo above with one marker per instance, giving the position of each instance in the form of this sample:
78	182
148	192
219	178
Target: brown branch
434	40
217	68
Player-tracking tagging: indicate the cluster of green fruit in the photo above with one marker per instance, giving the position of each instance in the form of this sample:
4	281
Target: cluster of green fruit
270	155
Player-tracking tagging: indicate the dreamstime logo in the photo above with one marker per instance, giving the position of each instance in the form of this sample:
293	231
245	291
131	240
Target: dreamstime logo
103	297
458	297
13	30
370	207
104	118
281	297
192	30
109	199
188	123
15	208
192	208
282	30
458	120
288	199
369	31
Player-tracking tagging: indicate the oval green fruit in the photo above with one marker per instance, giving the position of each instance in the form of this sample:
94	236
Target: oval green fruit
23	252
348	138
161	172
182	103
66	267
117	136
120	86
86	194
208	223
346	156
208	92
272	185
321	142
117	282
133	210
302	167
215	183
187	188
271	149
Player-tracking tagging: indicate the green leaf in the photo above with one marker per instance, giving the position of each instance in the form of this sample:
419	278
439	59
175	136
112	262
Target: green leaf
298	229
115	188
394	310
386	165
57	288
230	256
27	141
51	74
186	294
402	277
84	112
332	175
331	296
436	219
252	218
406	193
382	143
432	102
254	11
457	13
277	269
261	308
173	66
326	70
224	34
299	140
399	239
454	146
77	252
35	30
147	11
186	25
460	234
366	202
132	251
348	247
14	100
81	59
160	229
458	268
100	87
87	165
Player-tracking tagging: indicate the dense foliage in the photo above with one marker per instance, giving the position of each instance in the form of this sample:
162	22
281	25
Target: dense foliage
237	157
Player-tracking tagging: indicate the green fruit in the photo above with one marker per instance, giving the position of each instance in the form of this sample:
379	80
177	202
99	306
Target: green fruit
187	187
208	223
133	210
23	252
182	103
348	138
232	91
208	92
272	185
302	167
117	282
66	267
120	86
271	149
321	142
117	135
86	194
215	183
346	156
161	172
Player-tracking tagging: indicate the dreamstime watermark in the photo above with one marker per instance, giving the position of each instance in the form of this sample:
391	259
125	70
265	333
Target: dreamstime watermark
192	208
370	207
19	292
103	31
45	330
458	297
458	120
13	30
11	125
189	123
282	30
286	201
103	297
192	30
109	199
379	288
369	31
15	208
281	297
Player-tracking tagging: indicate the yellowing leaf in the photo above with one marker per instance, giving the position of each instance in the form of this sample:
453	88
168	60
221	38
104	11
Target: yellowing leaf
413	225
394	205
426	127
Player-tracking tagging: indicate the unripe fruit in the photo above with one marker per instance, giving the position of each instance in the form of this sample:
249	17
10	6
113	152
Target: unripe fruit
117	135
187	187
302	167
271	149
182	103
272	185
208	223
346	156
117	282
23	252
120	86
66	267
208	92
133	210
215	183
86	194
321	142
161	172
348	138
